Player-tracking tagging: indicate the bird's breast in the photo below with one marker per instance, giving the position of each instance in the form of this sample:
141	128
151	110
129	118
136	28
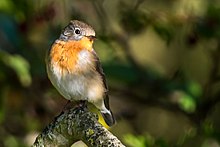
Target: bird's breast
72	56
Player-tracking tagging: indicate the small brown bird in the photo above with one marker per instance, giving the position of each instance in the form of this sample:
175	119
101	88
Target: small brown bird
74	68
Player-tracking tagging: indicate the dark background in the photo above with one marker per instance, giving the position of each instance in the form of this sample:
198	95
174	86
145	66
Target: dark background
160	57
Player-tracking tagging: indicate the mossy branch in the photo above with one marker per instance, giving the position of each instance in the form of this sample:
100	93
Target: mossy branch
73	125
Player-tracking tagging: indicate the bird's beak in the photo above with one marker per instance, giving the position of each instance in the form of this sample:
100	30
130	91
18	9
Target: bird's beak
91	38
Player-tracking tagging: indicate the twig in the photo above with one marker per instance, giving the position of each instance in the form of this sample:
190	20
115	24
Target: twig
73	125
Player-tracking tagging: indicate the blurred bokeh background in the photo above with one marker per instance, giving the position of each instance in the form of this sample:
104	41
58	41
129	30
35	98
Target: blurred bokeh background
160	57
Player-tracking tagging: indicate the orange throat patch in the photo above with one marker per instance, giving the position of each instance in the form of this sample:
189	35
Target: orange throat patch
64	54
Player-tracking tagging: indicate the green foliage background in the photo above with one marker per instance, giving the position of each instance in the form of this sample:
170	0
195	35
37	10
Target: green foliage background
160	57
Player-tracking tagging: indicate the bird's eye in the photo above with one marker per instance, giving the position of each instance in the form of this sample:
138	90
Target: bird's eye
77	31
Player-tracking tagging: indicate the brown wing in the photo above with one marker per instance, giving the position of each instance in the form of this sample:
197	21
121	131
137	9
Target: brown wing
100	71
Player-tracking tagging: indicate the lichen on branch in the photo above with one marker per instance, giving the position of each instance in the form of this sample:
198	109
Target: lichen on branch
73	125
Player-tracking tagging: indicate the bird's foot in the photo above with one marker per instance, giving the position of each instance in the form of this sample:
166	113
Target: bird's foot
77	105
82	104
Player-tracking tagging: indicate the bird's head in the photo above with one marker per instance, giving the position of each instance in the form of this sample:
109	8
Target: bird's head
76	30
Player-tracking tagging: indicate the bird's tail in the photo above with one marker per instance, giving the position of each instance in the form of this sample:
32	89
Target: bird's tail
108	117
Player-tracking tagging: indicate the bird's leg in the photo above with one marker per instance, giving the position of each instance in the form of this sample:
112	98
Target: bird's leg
67	106
82	104
79	104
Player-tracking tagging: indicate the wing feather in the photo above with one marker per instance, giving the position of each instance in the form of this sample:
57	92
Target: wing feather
99	69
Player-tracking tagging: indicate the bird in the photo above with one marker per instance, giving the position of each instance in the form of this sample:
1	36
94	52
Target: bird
74	68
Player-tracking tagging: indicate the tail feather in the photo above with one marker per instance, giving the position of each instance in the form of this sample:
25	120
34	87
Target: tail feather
108	117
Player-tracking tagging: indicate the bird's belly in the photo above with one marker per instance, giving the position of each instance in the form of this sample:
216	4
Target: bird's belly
73	87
